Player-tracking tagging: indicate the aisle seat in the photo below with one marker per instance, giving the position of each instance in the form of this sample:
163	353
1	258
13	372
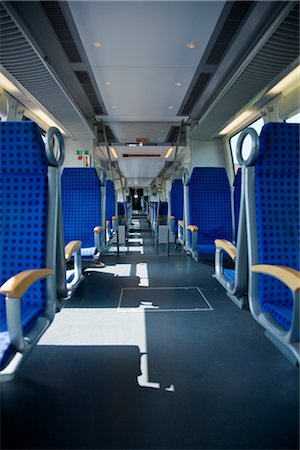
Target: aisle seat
210	213
272	192
176	205
81	205
110	210
235	280
28	182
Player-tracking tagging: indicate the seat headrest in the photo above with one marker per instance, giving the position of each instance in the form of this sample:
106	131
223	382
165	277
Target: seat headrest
22	148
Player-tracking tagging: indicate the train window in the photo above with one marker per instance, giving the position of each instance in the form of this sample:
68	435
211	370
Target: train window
295	118
257	125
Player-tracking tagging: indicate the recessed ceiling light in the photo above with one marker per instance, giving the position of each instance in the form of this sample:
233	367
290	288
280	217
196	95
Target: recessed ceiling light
98	44
178	84
171	107
113	107
191	45
169	152
162	131
114	152
107	83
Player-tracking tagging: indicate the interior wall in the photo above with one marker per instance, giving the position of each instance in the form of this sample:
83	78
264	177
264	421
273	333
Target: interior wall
207	154
72	159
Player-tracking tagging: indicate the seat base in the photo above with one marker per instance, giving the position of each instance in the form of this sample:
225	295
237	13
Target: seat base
286	351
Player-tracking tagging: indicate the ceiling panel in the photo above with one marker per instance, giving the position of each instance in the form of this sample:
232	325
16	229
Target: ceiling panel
143	53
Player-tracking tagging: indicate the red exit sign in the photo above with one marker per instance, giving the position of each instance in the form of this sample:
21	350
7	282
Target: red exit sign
142	140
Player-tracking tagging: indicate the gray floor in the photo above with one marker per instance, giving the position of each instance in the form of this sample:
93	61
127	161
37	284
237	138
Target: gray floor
121	371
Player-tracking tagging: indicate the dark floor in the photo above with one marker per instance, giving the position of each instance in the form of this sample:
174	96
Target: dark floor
213	380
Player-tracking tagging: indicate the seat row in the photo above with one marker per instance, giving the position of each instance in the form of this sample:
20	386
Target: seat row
46	220
253	232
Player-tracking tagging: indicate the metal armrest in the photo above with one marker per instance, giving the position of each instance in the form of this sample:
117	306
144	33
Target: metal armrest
194	230
14	289
71	248
18	284
97	232
172	224
228	246
290	277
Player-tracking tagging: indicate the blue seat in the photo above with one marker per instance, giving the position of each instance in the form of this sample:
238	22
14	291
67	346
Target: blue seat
210	213
81	206
237	187
235	280
272	192
176	205
28	186
110	210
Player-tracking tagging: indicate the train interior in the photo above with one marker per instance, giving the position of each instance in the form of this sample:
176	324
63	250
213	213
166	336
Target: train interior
149	259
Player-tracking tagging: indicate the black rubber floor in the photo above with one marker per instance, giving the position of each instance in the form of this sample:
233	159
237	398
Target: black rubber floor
215	381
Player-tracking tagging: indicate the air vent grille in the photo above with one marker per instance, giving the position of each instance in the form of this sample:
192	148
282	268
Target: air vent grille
236	17
196	91
19	58
278	53
172	135
62	31
85	81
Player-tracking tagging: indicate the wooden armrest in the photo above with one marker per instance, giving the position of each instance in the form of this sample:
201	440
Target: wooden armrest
181	223
71	248
172	217
114	217
17	285
193	228
227	246
107	224
288	276
98	230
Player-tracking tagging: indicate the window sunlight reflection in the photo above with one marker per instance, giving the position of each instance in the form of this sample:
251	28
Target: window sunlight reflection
101	327
117	270
142	273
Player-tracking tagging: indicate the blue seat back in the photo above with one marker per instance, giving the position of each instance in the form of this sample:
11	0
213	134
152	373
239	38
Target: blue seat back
81	204
210	204
277	207
110	201
24	215
163	208
237	185
176	199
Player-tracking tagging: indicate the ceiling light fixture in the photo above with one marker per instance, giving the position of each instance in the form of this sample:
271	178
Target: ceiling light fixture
48	121
114	152
107	83
178	84
169	152
171	107
238	121
114	107
286	82
97	44
8	85
191	45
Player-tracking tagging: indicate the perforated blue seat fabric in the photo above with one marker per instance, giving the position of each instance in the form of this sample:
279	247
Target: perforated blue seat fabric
210	207
176	199
237	184
163	208
110	201
121	209
81	205
277	206
229	274
23	230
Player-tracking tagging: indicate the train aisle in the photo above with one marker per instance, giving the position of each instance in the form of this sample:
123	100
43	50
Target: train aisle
149	353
